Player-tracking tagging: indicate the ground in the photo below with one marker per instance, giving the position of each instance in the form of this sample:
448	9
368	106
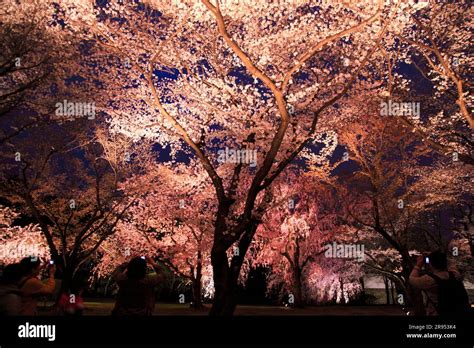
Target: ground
104	307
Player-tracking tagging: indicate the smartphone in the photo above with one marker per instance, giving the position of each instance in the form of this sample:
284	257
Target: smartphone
51	262
143	257
427	260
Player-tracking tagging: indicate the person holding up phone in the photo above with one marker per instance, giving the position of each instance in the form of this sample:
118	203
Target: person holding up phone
444	291
32	287
136	295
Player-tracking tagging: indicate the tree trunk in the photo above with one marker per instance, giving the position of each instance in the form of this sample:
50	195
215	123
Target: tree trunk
66	280
197	285
69	276
392	290
297	288
225	285
343	299
363	295
197	300
225	272
387	294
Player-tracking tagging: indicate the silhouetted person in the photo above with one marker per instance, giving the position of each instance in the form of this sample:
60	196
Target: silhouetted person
32	287
445	292
10	294
136	295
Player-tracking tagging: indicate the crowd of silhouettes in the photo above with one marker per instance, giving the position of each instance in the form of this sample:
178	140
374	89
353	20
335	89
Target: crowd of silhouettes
21	288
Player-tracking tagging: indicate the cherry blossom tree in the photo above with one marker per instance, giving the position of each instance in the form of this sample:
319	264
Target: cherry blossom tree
19	241
394	186
243	89
334	281
439	38
464	221
35	68
292	237
202	76
171	221
434	47
62	180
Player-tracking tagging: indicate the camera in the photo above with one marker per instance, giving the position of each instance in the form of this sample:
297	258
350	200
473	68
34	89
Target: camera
427	260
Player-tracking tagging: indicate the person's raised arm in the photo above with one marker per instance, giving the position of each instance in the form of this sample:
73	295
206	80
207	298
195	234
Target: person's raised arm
120	272
420	281
36	287
157	268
